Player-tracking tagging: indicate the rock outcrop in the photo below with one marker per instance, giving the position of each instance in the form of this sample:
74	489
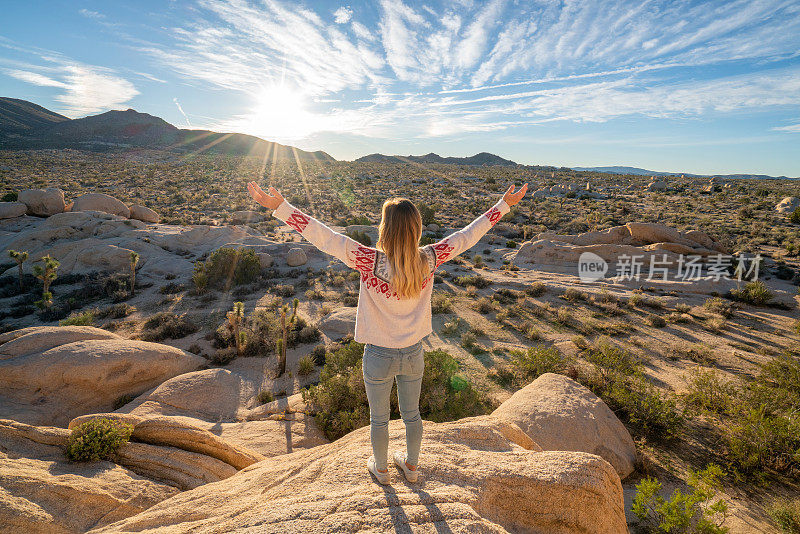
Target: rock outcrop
10	210
339	323
100	202
633	239
144	214
246	217
474	478
52	375
788	205
561	415
43	202
41	491
296	257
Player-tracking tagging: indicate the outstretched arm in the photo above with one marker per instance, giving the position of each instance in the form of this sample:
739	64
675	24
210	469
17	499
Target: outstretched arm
464	239
322	237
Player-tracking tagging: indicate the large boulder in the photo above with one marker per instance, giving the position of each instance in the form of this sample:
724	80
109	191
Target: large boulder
788	205
296	257
339	323
561	415
41	385
144	214
43	492
100	202
9	210
474	478
43	202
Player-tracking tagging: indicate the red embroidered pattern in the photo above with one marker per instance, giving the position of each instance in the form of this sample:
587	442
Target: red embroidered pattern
442	250
297	220
493	215
365	264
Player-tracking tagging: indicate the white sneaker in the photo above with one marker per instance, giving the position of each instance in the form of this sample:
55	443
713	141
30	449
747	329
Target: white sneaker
400	460
383	478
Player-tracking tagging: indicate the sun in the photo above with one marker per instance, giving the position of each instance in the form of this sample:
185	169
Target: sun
280	112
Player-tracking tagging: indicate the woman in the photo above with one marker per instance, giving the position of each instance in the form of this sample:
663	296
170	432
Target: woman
394	305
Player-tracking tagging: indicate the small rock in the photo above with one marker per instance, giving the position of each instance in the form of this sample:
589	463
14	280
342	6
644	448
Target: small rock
101	202
433	227
788	205
144	214
296	257
9	210
265	259
246	217
43	202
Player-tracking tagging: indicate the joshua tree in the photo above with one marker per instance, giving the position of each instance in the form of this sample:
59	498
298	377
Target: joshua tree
294	310
20	258
235	318
46	274
134	261
282	343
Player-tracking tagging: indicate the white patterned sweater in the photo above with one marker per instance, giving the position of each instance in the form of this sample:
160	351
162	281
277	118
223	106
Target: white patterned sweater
382	317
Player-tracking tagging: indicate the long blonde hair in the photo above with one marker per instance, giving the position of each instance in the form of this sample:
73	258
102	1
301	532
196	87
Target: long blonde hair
398	236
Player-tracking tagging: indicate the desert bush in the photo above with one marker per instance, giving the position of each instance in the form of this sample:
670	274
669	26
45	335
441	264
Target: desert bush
574	295
786	514
484	305
536	289
265	396
97	439
617	378
441	303
755	293
361	236
475	280
78	319
708	391
341	401
226	267
719	306
657	321
528	365
795	216
164	325
696	512
305	366
318	354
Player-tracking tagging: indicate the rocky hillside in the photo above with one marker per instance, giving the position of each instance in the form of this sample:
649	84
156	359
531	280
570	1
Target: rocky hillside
24	125
483	158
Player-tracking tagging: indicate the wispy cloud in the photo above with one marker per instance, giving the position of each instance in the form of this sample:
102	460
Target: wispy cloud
464	66
85	89
342	15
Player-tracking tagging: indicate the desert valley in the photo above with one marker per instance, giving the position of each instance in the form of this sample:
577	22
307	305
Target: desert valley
146	297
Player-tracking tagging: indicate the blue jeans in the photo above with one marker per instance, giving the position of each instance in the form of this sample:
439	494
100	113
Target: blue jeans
381	366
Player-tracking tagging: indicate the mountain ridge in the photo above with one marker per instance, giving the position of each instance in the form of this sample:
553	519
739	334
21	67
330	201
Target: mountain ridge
25	125
481	158
636	171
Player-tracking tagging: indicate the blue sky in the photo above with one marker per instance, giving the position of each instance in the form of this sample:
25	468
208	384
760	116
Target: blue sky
705	87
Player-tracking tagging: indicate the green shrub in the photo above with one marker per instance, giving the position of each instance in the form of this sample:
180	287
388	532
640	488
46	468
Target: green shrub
305	366
755	293
617	378
164	325
227	267
536	361
97	439
472	280
78	319
758	440
441	303
11	196
718	305
786	514
319	353
341	401
536	289
795	216
511	243
361	236
265	396
696	512
707	391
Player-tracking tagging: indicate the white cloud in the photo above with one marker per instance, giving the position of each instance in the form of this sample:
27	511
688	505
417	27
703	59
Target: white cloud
791	128
342	15
86	89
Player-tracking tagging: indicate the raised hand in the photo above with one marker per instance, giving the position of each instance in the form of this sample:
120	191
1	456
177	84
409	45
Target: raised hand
269	200
511	197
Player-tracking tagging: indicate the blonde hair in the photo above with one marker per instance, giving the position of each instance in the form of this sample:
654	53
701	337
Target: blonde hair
398	236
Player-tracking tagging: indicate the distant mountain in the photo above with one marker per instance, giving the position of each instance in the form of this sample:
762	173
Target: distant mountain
484	158
644	172
20	116
25	125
